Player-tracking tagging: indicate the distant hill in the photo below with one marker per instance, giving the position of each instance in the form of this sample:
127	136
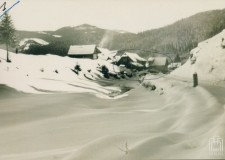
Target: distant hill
61	39
179	37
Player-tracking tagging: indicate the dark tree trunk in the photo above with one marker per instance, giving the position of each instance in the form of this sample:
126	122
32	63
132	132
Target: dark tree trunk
7	57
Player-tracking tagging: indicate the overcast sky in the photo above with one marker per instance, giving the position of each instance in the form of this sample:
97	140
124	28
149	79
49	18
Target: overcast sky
129	15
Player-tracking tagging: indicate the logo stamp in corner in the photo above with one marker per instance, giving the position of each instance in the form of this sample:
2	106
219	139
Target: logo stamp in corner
216	146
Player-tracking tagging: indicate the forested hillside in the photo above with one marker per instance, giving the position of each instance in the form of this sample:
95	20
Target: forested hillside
179	37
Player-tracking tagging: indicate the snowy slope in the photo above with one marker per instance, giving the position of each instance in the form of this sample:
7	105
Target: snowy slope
35	74
27	42
37	40
208	61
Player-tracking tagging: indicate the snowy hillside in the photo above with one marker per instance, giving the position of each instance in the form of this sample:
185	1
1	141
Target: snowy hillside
41	74
207	60
25	43
37	40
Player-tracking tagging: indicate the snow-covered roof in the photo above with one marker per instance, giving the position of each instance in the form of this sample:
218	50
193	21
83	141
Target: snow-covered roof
106	54
151	59
133	56
82	49
159	61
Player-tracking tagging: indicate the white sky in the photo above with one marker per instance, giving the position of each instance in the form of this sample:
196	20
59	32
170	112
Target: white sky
129	15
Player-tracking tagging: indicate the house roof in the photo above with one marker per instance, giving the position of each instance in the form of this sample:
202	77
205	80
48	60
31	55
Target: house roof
133	56
159	61
151	59
82	49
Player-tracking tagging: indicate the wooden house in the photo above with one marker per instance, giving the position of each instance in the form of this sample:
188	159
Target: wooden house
84	51
131	60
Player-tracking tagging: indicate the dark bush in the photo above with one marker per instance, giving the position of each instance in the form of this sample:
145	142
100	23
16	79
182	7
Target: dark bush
105	71
77	68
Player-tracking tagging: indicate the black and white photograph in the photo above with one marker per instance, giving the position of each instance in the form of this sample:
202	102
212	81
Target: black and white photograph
112	79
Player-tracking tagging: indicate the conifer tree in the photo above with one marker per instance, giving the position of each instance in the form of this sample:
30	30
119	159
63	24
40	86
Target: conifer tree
7	34
177	58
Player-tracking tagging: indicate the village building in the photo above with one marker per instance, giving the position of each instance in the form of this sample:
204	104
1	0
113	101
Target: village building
84	51
131	60
158	64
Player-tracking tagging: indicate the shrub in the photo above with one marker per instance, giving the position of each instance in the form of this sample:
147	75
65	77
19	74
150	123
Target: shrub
149	85
105	71
77	68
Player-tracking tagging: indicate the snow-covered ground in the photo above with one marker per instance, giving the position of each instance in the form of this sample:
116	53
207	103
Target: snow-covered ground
36	74
208	61
144	125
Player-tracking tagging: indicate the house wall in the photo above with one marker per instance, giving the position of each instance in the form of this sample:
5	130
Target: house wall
159	68
163	69
90	56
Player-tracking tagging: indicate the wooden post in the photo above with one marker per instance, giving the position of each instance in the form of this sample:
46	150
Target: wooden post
195	79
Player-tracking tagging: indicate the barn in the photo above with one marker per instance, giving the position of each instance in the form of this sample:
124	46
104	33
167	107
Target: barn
84	51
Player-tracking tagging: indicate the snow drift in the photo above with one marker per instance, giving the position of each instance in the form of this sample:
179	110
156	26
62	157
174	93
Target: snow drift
207	60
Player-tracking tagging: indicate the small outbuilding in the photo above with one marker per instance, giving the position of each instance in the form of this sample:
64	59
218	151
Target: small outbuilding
84	51
159	64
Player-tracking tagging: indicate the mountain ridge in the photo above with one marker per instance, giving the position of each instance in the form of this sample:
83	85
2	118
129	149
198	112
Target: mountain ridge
179	37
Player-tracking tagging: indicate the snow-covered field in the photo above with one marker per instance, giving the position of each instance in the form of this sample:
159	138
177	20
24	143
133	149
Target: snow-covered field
36	74
143	125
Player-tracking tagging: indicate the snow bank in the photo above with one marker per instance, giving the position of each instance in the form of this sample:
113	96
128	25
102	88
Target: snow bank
207	60
38	74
